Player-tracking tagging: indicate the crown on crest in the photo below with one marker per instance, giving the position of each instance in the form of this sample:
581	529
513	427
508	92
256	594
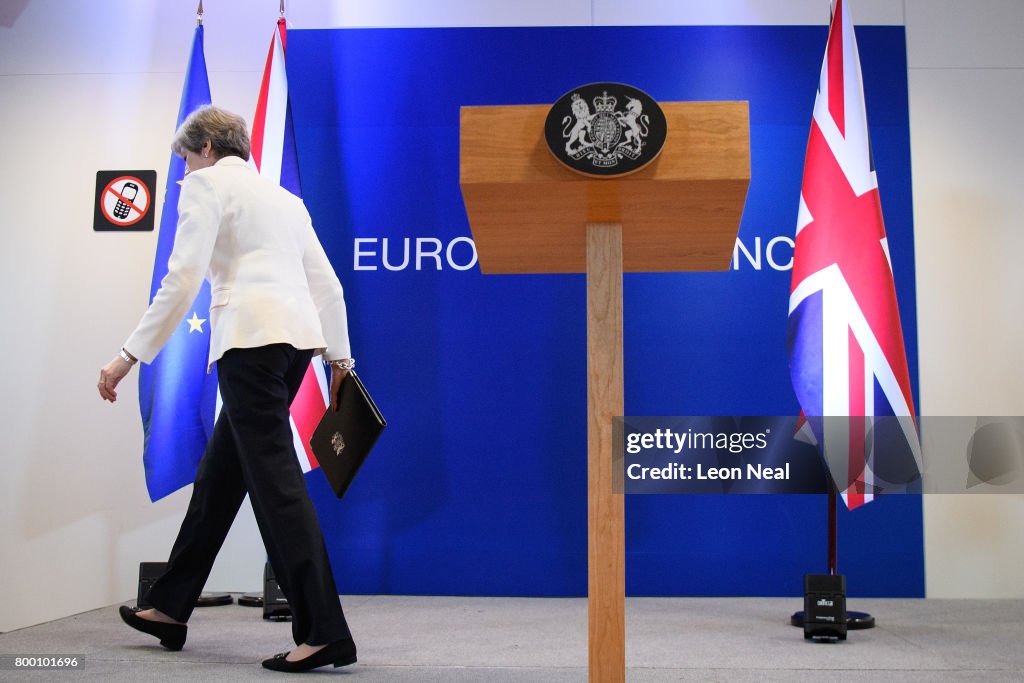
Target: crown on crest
605	102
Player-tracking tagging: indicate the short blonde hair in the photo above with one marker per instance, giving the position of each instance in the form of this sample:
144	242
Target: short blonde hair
225	131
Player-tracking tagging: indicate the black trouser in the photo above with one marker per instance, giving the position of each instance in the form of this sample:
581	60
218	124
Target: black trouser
252	451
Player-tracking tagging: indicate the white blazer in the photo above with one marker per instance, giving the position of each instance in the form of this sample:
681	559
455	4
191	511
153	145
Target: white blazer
270	280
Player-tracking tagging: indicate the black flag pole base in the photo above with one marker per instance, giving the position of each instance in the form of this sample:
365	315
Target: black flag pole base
214	599
251	600
855	621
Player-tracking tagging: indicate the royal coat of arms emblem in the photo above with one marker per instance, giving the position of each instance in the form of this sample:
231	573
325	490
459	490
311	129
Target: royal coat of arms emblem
605	129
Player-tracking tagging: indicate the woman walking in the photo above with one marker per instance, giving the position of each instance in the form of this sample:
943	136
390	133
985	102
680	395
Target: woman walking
275	303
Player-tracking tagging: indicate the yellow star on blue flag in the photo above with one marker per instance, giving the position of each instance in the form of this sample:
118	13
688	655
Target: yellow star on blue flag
195	323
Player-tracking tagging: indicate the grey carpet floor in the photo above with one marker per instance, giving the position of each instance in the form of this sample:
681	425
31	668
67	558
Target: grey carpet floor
403	638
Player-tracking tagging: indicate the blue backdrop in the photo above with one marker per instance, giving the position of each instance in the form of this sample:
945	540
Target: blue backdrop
478	486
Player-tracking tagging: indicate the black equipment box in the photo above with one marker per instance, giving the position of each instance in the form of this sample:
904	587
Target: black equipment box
825	606
275	604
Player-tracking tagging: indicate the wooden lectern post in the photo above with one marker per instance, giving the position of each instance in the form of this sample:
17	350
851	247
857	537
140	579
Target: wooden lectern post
530	214
606	538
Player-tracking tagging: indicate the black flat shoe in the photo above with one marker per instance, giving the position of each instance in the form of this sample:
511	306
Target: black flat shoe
172	636
339	653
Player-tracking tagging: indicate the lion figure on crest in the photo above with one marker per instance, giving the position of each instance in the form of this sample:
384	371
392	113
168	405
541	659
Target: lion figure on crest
580	130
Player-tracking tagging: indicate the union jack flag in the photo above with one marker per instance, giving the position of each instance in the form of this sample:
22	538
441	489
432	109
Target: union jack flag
273	154
846	352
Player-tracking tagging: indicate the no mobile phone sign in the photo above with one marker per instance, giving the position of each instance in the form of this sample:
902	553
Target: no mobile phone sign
124	201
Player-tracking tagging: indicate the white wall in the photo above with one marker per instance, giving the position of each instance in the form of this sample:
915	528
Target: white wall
966	80
95	85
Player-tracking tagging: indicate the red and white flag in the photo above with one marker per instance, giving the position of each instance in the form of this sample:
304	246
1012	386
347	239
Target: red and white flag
846	350
273	153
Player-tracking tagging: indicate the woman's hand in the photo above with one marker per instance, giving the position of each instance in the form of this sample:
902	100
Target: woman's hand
337	377
110	376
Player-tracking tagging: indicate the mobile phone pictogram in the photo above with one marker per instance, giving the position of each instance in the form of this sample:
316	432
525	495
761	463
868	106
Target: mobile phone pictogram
128	193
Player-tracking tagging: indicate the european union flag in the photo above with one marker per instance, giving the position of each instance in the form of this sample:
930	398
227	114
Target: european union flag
177	398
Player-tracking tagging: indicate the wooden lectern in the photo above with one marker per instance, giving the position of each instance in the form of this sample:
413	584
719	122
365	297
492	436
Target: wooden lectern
531	214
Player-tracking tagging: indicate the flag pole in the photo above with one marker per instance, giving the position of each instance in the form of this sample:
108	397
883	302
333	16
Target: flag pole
854	620
833	533
210	599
